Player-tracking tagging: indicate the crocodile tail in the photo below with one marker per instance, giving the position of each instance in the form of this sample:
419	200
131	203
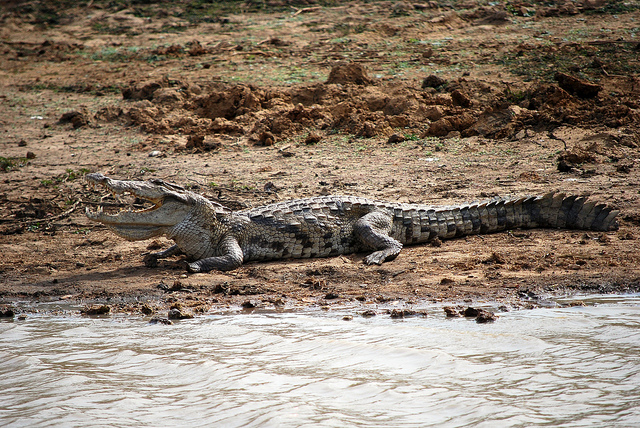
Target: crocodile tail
575	212
553	210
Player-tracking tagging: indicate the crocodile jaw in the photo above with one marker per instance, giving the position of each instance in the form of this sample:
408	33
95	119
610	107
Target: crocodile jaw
132	225
170	208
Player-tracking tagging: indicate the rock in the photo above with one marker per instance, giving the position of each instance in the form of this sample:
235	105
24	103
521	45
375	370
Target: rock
201	143
167	96
96	310
267	139
433	81
434	113
248	304
177	286
451	312
150	260
157	320
462	121
177	314
428	53
440	128
345	73
368	130
564	166
196	49
396	138
573	158
403	313
481	315
578	87
195	141
142	91
146	309
313	138
485	317
7	313
397	313
77	119
460	98
471	312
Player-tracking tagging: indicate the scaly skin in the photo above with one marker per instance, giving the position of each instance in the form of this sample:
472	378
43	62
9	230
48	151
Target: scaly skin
214	237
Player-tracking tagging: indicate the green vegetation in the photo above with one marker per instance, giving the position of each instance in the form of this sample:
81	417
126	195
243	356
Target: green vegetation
114	30
515	97
71	175
114	54
73	89
68	175
587	61
54	12
344	29
8	164
34	227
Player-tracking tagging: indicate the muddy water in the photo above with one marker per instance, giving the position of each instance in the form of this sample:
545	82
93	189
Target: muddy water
575	366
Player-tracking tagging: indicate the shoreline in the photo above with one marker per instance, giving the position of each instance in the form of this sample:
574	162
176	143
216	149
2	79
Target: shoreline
159	303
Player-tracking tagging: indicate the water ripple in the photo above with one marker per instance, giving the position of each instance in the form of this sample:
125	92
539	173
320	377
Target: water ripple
562	367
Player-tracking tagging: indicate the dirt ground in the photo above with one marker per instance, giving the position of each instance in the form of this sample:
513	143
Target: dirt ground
255	102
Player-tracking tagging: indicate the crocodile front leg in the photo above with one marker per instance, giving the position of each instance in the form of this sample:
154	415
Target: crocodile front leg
230	259
373	231
151	260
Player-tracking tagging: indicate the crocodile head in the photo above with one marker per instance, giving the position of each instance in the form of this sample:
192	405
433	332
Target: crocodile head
172	204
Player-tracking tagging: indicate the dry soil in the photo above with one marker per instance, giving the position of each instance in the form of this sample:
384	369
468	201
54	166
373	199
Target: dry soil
255	102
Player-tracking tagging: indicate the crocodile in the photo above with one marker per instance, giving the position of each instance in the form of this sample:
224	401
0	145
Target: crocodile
214	237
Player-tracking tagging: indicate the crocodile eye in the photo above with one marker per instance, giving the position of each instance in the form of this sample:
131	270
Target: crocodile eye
172	186
157	181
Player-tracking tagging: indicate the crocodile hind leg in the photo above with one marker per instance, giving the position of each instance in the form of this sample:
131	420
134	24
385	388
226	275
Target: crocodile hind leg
373	231
151	260
231	257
